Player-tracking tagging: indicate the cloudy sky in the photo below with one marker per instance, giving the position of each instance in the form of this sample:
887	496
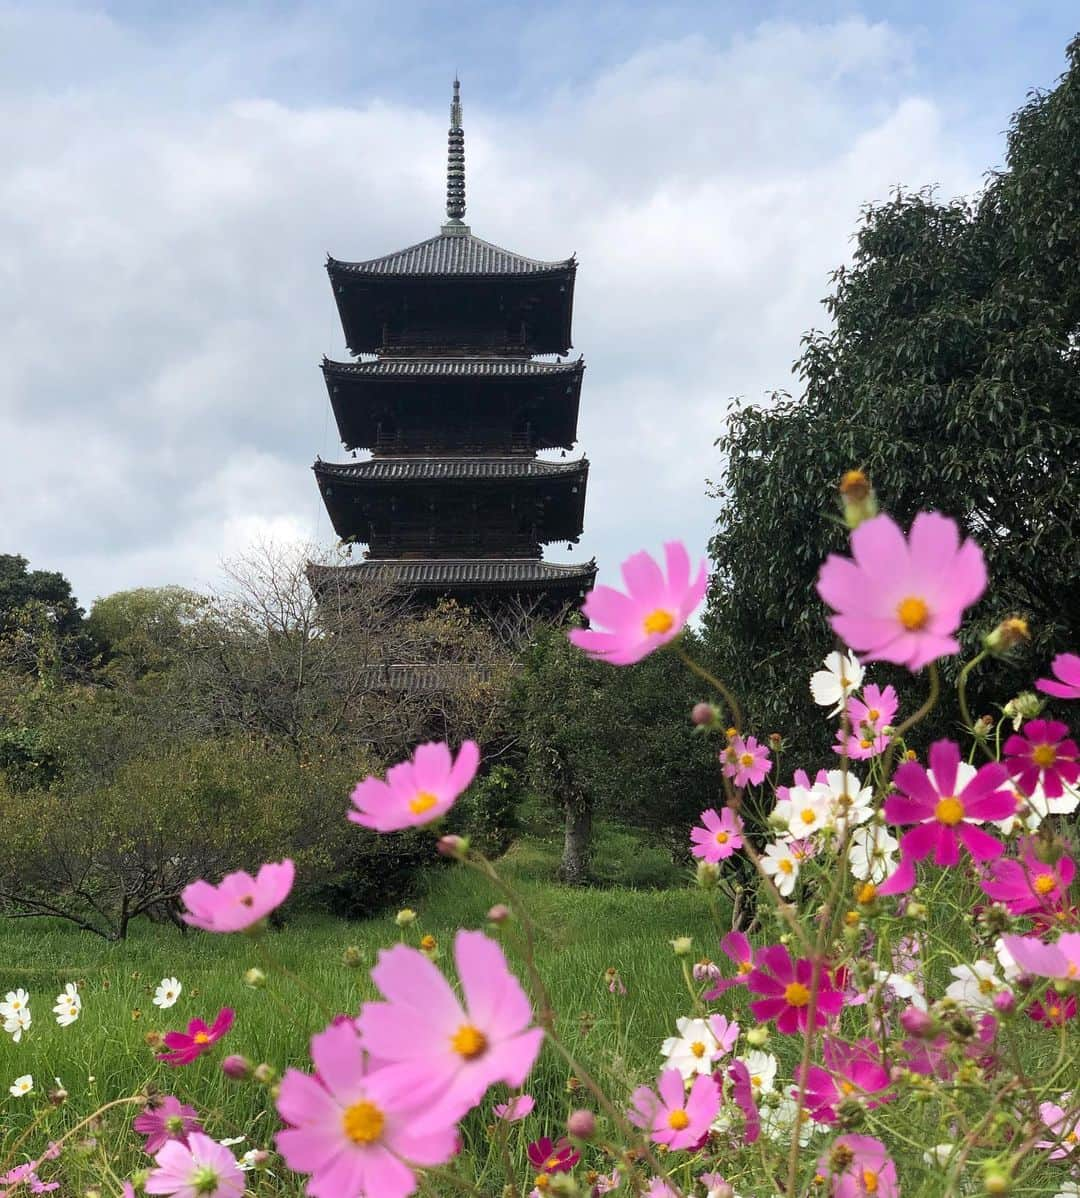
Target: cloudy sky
173	175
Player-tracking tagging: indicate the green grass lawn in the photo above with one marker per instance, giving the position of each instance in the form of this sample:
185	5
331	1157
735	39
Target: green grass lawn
104	1055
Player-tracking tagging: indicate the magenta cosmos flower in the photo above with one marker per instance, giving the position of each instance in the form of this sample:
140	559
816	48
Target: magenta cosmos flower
418	791
742	1092
853	1071
652	612
239	900
718	837
902	600
736	948
448	1053
165	1119
352	1127
550	1157
786	986
943	818
201	1168
1066	669
672	1116
1028	884
1044	753
867	1169
745	761
185	1047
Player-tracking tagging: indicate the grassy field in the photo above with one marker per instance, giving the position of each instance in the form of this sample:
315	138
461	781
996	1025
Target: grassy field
105	1056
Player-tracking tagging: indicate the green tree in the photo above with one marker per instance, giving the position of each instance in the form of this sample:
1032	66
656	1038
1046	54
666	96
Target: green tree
950	374
42	626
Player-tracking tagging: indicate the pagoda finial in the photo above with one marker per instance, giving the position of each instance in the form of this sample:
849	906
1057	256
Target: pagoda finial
455	163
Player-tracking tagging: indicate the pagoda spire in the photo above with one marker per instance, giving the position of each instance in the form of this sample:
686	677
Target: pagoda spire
455	164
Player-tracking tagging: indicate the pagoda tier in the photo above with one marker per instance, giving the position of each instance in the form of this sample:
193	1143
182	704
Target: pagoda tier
491	405
454	293
468	580
448	507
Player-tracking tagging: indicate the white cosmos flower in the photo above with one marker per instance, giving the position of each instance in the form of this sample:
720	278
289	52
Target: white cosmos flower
693	1049
1069	1189
803	812
871	853
841	676
167	992
975	986
851	803
21	1085
18	1023
782	865
68	1005
762	1069
1009	966
902	986
16	1001
777	1121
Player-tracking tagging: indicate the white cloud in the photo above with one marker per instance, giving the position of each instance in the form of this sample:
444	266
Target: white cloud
163	306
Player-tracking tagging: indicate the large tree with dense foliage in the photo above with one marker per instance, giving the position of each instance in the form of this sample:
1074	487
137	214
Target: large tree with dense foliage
950	374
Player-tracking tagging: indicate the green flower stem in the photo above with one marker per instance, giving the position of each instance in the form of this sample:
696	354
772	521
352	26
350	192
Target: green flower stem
732	703
915	718
961	694
271	960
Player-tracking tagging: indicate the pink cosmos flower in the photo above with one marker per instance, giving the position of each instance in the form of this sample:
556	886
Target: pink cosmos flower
166	1119
1066	667
943	818
735	947
186	1047
853	1071
671	1116
1029	884
651	613
867	716
1066	1129
445	1053
902	600
550	1157
745	761
354	1129
415	792
239	900
786	986
719	837
659	1188
870	1169
201	1168
1044	753
517	1108
1057	1010
1058	960
742	1091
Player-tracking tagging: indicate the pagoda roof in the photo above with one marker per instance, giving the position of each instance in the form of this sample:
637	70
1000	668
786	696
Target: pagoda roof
455	251
460	573
409	469
452	367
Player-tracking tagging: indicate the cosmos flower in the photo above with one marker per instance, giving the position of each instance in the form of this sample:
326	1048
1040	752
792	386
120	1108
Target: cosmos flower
652	612
785	985
550	1157
185	1047
670	1115
902	599
976	986
415	792
163	1120
167	992
736	947
239	900
871	853
862	1167
1066	681
719	836
17	1023
1028	884
352	1127
15	1002
841	675
1058	960
867	718
21	1085
698	1044
517	1108
781	864
1065	1128
745	761
68	1005
1043	754
199	1168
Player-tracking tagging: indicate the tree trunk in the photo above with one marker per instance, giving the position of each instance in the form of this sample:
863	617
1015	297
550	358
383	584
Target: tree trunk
577	840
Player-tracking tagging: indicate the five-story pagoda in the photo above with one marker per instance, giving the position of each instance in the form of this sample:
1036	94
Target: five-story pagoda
449	396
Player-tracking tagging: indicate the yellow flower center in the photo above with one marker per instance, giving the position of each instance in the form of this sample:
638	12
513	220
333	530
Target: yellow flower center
1044	755
745	967
659	621
1044	883
424	801
698	1049
721	838
870	1181
866	743
746	759
846	1088
784	865
755	1080
949	811
1070	1137
807	815
1054	1012
428	943
796	994
678	1120
363	1122
468	1041
866	893
873	715
986	986
913	613
552	1162
201	1038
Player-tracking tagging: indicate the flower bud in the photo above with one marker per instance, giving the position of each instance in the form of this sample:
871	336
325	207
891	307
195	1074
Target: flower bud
405	917
265	1074
705	715
58	1095
429	946
153	1040
850	1114
866	894
917	1023
1007	635
255	977
564	1185
757	1037
259	1159
1026	706
706	971
915	910
352	957
776	742
237	1067
581	1124
708	875
452	846
682	946
995	1179
858	498
1005	1002
500	913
